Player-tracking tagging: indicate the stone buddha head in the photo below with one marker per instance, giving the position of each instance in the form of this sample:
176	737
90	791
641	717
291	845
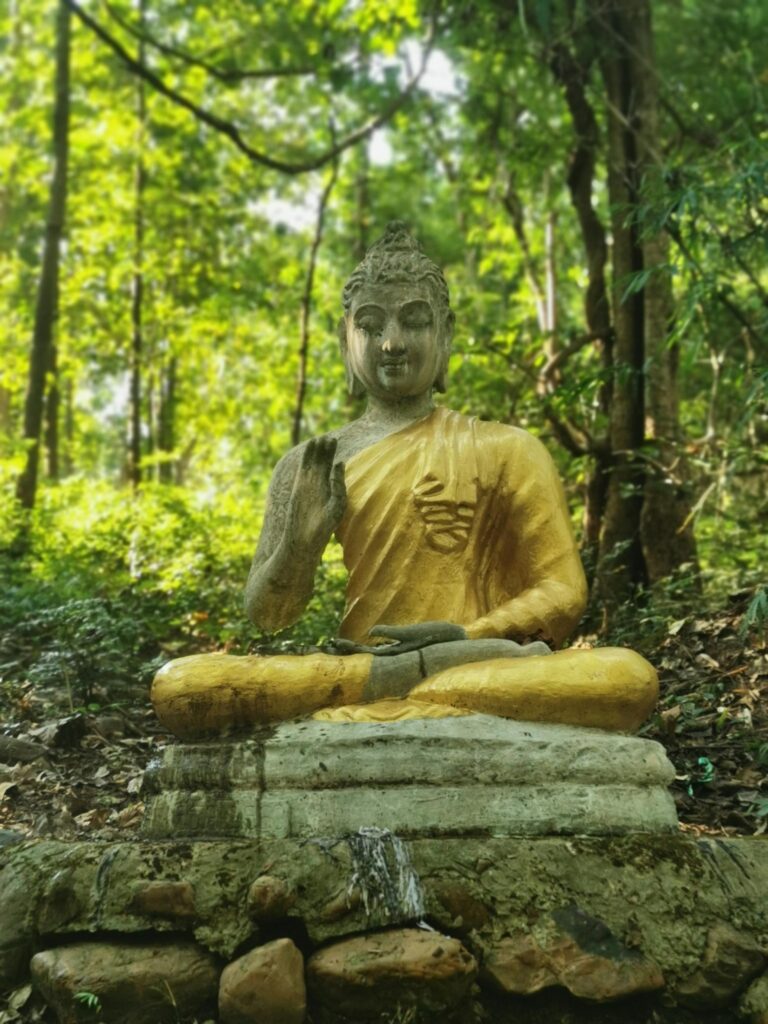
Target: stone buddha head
397	326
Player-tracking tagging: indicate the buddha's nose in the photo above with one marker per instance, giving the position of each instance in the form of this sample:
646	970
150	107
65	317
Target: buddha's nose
392	342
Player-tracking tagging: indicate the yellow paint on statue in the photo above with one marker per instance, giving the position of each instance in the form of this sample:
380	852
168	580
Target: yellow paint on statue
456	519
444	520
452	519
209	694
606	688
389	710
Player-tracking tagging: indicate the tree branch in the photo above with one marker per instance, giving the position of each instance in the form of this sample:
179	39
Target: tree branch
229	76
513	205
576	344
306	304
572	78
230	130
729	248
674	232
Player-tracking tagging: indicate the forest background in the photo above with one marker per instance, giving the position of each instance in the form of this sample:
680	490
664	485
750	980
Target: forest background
184	189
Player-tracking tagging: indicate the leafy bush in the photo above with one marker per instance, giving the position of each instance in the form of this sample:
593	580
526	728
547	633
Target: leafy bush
111	585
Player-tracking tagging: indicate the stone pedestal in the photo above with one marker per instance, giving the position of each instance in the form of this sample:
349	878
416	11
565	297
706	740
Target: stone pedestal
470	776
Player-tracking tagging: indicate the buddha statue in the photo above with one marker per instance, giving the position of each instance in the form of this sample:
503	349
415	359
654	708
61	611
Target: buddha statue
463	571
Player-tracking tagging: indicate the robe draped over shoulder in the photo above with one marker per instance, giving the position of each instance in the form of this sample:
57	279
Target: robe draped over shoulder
457	519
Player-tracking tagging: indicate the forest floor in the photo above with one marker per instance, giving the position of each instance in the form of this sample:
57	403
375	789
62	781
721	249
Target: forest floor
78	775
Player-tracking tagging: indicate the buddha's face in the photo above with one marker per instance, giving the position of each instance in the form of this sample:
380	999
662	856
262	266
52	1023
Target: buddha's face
395	339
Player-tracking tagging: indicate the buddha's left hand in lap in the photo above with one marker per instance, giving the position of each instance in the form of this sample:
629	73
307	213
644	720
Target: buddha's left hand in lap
419	635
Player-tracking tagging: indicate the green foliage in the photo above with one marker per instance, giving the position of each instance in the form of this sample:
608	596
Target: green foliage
643	622
78	644
756	616
112	586
89	1000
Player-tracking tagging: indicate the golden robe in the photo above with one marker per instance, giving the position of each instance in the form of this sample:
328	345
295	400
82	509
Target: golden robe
452	519
464	521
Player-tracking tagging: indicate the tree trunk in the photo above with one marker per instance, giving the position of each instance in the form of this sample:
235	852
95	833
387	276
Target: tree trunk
621	564
52	403
46	310
150	439
167	420
666	524
5	412
362	201
573	77
137	297
69	427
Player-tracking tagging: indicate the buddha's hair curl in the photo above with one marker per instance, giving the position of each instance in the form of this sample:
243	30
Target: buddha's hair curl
397	256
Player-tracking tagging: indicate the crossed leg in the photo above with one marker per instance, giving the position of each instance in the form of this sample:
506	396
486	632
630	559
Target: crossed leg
211	694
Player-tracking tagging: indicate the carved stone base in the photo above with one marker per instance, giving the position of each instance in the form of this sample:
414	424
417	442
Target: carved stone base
471	776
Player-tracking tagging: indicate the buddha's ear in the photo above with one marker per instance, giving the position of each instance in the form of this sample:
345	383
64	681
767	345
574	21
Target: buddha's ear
354	387
441	378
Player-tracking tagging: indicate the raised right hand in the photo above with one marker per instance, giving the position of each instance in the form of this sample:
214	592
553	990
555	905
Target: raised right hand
319	498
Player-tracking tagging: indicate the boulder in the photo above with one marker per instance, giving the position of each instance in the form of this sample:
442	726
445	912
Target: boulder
753	1005
174	900
369	975
266	986
731	960
269	898
577	952
127	983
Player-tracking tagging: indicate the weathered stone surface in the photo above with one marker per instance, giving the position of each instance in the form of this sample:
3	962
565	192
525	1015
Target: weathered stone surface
456	776
66	732
62	902
368	975
579	953
731	960
266	986
13	750
9	836
134	984
269	898
754	1003
174	900
468	911
658	894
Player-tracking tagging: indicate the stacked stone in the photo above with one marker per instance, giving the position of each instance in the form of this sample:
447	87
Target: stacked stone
532	861
381	976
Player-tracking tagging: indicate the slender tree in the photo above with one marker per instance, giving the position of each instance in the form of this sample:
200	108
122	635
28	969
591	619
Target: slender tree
137	283
646	533
621	560
46	310
306	305
166	426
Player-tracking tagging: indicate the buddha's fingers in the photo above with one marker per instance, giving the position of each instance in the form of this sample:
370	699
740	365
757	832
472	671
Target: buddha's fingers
605	688
416	636
350	647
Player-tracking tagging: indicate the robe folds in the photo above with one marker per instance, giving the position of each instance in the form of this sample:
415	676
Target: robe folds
460	520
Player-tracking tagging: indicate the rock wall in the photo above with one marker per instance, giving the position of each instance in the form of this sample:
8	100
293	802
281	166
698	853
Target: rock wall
370	928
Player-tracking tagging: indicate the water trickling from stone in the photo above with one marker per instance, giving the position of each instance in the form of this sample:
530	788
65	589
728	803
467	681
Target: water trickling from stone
383	873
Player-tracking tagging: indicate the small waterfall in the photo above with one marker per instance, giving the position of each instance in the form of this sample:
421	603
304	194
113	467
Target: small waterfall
383	872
